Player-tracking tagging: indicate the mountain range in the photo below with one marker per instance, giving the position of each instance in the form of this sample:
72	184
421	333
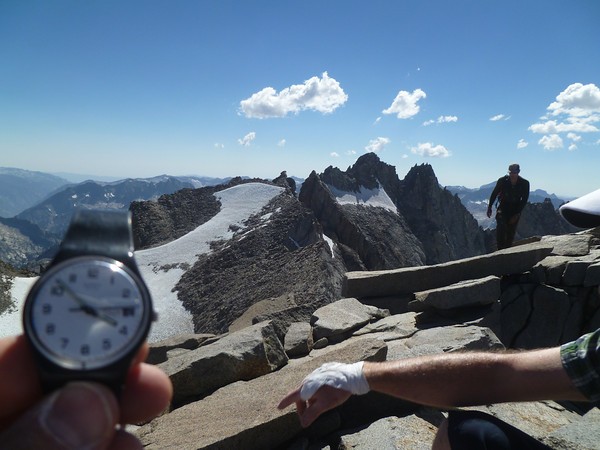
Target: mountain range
37	206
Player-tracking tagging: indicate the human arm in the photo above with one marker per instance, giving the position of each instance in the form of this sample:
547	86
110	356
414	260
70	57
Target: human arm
79	414
455	379
493	196
463	379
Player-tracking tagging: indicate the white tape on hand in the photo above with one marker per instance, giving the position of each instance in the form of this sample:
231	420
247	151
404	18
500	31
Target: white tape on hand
349	377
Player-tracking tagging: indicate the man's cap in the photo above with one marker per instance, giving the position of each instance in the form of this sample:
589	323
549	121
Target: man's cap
514	168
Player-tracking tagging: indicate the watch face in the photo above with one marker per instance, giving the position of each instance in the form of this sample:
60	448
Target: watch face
87	312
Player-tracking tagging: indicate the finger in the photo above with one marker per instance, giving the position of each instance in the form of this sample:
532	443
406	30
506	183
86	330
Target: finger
125	441
20	387
142	354
291	397
80	415
325	399
148	391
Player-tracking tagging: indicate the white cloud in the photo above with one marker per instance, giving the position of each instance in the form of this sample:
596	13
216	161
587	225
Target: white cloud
219	145
553	127
405	104
247	140
431	151
575	110
281	143
441	119
572	147
498	117
577	100
376	145
334	154
522	143
377	120
551	142
446	119
324	95
351	152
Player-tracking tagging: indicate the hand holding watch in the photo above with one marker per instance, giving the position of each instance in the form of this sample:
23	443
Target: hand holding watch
88	314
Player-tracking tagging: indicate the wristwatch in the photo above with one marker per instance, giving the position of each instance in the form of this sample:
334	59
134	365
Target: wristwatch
88	314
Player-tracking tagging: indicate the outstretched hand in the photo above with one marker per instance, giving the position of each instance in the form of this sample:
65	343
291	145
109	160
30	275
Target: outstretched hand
79	415
325	388
323	400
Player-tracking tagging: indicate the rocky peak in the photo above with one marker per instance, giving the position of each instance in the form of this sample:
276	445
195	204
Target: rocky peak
357	229
368	171
420	179
284	181
439	219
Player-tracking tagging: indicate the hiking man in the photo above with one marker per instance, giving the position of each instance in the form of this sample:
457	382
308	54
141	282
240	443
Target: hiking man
512	192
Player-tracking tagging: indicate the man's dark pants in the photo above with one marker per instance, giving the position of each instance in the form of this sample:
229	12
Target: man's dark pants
505	231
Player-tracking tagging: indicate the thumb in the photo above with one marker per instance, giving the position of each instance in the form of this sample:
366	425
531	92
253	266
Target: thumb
78	416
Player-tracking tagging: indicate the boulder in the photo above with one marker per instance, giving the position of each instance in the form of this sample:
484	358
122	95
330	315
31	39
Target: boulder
582	434
336	320
483	291
158	350
550	307
408	433
298	340
243	355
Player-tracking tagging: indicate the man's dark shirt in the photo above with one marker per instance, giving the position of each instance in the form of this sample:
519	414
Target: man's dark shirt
513	198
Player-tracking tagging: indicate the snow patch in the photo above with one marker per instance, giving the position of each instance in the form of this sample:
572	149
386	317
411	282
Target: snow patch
330	243
163	266
367	197
10	321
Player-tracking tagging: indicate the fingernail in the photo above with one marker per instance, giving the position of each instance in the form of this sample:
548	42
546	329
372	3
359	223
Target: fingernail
79	416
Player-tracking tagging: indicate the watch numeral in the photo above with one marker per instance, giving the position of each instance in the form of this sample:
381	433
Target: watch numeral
50	328
72	278
85	349
64	342
57	290
93	272
126	293
106	344
128	312
46	308
123	330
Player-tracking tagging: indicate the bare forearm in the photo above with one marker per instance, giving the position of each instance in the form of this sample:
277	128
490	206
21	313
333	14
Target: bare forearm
462	379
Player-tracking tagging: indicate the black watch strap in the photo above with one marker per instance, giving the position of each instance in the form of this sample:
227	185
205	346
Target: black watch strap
99	232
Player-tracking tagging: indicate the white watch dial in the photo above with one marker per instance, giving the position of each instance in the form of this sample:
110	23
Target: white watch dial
87	313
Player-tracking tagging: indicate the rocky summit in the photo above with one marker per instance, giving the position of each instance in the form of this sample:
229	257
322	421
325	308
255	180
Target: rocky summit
259	282
227	386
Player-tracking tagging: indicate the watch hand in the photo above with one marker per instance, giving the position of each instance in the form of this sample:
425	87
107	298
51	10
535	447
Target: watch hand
103	303
85	306
92	312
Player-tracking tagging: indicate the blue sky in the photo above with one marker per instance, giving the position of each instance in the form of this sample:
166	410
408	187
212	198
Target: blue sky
224	88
